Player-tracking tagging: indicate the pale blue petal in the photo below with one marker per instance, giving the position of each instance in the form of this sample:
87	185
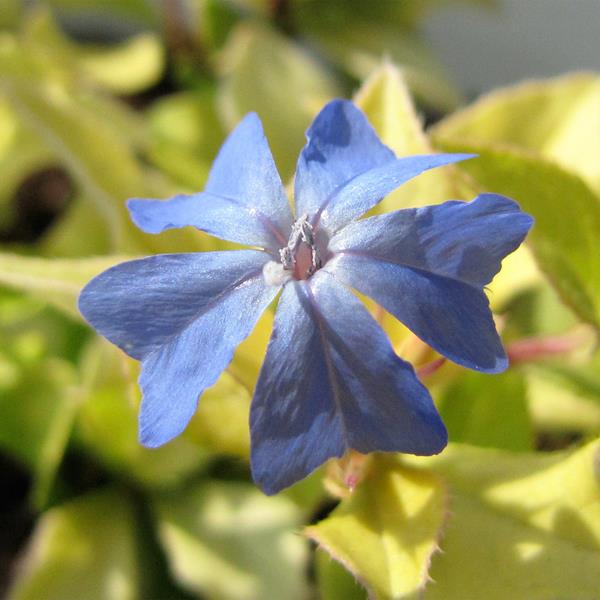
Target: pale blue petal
174	376
366	190
462	240
344	169
243	201
331	382
140	304
341	145
428	266
182	315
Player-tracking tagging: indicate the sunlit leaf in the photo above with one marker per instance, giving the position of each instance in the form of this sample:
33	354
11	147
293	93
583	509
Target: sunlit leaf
38	404
126	68
76	233
101	159
56	281
359	47
228	541
186	135
564	403
83	549
522	526
267	73
555	117
387	531
387	104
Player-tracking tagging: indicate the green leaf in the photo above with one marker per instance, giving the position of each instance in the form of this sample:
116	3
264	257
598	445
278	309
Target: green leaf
387	531
21	153
263	71
139	11
565	236
522	526
127	68
38	388
564	402
10	14
107	424
56	281
221	422
37	411
552	117
386	101
186	135
82	549
488	410
78	132
335	583
228	541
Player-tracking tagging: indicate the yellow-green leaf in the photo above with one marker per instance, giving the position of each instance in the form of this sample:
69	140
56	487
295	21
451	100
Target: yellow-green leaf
76	130
387	531
83	549
267	73
522	526
386	101
488	410
126	68
558	118
335	583
227	541
56	281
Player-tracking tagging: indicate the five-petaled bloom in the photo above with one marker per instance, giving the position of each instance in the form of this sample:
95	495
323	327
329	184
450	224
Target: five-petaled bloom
330	381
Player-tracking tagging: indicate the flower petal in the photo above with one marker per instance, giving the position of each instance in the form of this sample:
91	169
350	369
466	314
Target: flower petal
427	267
366	190
140	304
331	382
344	169
341	145
462	240
243	201
182	315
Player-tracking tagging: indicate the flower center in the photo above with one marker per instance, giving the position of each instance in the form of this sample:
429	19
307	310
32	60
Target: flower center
305	253
302	256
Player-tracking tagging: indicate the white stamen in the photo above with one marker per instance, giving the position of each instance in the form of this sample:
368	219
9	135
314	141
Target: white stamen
275	274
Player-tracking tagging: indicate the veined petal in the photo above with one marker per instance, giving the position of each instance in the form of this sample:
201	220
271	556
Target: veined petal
243	201
182	315
341	145
451	316
428	266
344	169
174	376
461	240
141	304
330	382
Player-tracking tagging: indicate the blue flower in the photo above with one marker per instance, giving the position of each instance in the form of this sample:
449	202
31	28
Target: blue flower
330	381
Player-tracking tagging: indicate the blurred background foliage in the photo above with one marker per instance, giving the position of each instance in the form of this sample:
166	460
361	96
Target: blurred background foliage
103	100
